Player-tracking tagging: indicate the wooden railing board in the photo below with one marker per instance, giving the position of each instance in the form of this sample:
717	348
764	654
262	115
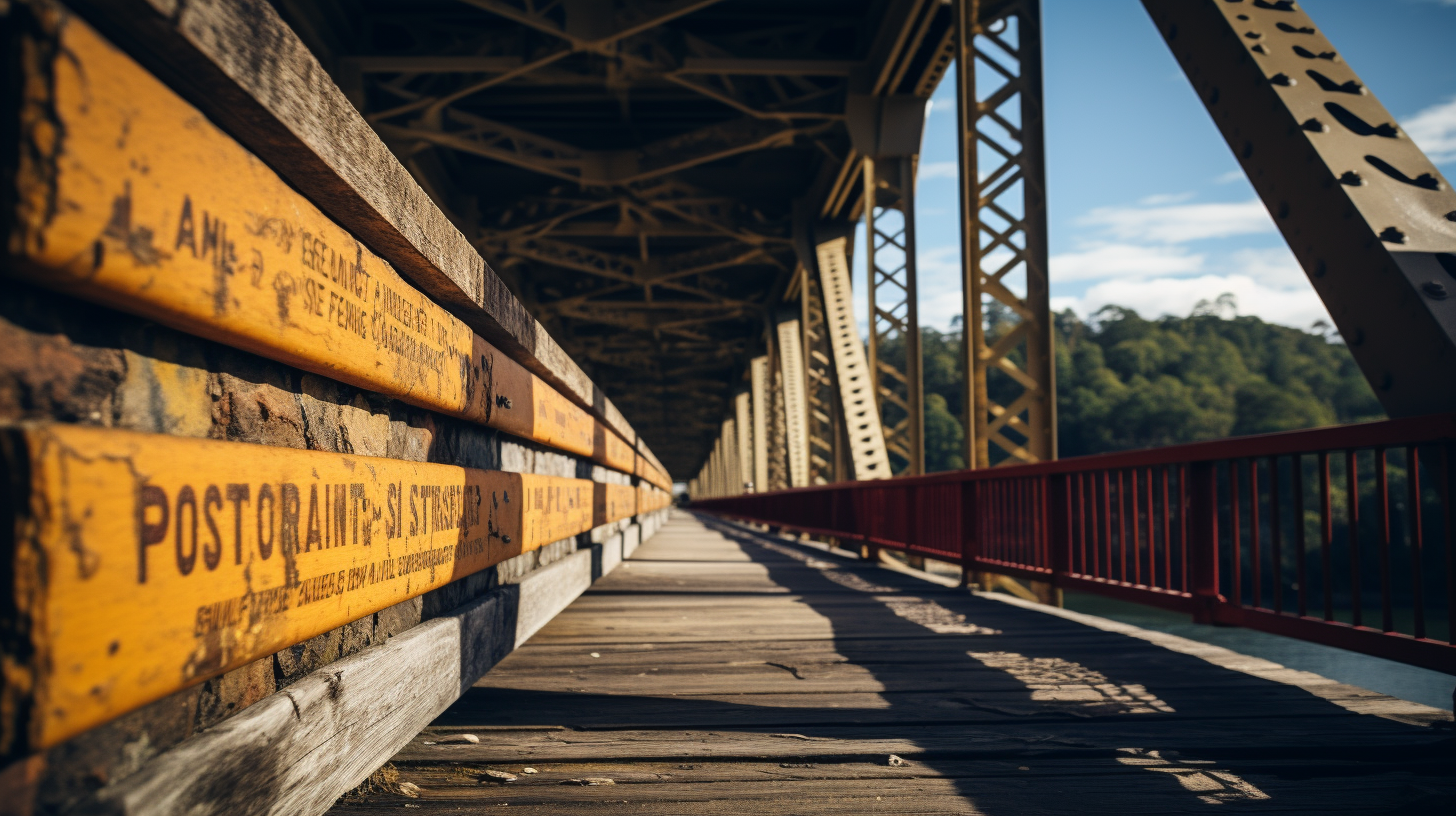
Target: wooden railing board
168	217
247	70
146	563
297	751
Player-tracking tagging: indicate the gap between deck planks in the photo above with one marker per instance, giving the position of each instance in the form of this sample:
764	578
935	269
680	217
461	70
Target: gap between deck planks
726	671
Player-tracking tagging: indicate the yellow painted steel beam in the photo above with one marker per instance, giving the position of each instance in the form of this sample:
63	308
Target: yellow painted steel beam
130	198
145	563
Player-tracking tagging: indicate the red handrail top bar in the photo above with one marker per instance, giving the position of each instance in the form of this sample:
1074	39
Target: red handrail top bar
1384	433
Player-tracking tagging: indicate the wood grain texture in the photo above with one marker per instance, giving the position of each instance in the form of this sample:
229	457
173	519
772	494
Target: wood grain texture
246	70
169	218
780	679
295	752
146	563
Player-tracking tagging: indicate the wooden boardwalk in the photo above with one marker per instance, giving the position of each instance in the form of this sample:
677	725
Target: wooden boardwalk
724	671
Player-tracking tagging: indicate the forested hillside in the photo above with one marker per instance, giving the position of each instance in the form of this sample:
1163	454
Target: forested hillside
1127	382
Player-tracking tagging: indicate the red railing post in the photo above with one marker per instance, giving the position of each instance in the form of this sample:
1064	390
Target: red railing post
1059	525
970	542
1203	538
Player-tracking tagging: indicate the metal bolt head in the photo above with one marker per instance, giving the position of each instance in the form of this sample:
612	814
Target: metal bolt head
1391	235
1434	290
1351	179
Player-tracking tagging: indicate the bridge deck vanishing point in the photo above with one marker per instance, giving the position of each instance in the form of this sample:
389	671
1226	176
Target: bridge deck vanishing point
722	670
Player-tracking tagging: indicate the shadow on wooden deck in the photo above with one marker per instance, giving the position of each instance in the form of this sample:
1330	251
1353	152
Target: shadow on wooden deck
725	670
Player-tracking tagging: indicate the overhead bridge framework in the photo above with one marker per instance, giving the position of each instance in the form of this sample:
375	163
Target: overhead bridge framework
348	342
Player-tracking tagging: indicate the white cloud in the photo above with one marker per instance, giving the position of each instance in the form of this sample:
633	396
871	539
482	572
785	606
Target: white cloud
1181	222
1299	307
940	169
1163	199
1123	261
1274	267
1434	130
1230	177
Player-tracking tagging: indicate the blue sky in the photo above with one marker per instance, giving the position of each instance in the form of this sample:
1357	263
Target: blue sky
1148	208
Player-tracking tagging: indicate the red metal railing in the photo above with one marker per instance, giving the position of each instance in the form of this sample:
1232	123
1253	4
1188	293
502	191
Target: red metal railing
1343	536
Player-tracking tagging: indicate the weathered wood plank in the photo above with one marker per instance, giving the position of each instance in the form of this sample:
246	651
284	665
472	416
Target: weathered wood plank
1022	786
295	752
693	703
247	70
167	217
147	563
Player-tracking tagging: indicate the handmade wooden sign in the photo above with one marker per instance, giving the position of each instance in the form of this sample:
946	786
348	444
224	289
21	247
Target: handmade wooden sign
142	204
146	563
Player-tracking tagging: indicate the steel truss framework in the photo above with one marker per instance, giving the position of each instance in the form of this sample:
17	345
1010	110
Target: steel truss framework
1011	387
821	391
631	168
894	341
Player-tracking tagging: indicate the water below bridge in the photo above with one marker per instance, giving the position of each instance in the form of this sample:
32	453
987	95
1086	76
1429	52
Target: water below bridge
721	670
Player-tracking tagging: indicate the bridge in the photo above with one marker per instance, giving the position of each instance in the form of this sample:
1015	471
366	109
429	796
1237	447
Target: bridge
354	350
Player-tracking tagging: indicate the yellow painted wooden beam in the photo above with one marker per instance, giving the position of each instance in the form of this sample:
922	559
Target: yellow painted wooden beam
129	197
146	563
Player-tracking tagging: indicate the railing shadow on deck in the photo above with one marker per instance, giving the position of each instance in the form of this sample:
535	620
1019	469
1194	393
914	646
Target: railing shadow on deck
987	689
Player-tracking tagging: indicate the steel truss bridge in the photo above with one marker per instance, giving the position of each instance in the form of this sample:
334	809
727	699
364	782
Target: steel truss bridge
353	349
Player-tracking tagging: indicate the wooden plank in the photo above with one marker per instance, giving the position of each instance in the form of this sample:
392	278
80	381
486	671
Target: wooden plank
1276	734
167	217
1027	786
147	563
295	752
687	707
248	71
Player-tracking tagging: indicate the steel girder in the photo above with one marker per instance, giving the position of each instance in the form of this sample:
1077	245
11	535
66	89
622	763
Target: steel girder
1369	217
1010	377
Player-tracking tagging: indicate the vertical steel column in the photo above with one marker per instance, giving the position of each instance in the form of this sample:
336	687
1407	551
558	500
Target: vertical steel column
759	384
743	426
859	414
893	302
778	426
729	441
1003	236
820	391
791	360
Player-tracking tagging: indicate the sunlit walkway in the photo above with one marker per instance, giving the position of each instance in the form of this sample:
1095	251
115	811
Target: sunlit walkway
725	671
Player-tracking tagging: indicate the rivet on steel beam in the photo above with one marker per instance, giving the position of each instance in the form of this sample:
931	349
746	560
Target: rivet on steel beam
1283	79
1351	178
1359	126
1275	5
1451	216
1314	125
1259	48
1283	209
1248	149
1253	35
1320	269
1391	235
1243	16
1357	337
1327	84
1289	29
1434	290
1324	55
